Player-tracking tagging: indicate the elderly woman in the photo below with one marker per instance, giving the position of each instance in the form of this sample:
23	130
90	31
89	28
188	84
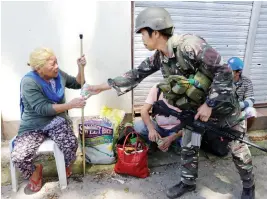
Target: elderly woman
44	114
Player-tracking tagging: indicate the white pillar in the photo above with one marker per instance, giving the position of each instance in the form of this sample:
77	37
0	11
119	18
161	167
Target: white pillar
254	20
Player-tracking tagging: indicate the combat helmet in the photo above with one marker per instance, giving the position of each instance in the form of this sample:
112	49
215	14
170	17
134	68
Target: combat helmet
154	18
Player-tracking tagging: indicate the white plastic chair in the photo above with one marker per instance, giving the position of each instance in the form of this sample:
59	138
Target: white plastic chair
47	146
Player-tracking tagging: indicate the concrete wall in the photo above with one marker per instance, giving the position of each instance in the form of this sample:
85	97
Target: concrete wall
106	27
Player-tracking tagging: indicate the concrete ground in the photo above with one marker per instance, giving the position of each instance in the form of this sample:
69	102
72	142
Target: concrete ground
218	179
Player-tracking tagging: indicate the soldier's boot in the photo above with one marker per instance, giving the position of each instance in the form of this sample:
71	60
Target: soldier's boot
248	193
179	189
189	170
243	162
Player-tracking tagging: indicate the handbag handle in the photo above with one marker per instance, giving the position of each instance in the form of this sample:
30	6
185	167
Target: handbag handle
131	133
128	127
126	138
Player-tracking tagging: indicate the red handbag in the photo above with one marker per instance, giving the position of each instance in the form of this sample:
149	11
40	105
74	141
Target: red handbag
134	163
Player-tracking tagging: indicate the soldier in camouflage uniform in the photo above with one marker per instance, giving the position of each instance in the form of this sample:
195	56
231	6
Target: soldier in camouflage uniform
187	57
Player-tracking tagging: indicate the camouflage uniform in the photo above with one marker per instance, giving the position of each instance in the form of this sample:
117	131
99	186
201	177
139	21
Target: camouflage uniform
195	53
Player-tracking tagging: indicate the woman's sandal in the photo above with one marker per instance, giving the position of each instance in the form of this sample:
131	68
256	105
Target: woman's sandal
33	185
68	171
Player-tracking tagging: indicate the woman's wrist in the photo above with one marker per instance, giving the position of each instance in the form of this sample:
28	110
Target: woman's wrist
68	106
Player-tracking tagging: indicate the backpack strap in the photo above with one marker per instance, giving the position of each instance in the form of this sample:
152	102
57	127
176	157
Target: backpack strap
158	93
153	106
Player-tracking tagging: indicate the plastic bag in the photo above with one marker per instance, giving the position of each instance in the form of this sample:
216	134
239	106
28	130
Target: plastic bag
99	136
115	116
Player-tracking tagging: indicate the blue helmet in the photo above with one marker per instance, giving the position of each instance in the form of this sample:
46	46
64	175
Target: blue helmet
236	63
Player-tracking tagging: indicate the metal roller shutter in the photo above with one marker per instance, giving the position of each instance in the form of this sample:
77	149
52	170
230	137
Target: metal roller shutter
224	25
258	67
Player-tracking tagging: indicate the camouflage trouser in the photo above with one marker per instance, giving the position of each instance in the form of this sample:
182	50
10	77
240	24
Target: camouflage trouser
189	158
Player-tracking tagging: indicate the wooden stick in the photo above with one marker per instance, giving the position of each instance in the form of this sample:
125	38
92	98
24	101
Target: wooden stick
82	83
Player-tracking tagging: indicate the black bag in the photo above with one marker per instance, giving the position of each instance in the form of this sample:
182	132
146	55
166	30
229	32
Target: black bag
215	144
211	142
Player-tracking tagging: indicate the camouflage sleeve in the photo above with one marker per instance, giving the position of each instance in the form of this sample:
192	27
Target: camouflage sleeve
222	85
132	78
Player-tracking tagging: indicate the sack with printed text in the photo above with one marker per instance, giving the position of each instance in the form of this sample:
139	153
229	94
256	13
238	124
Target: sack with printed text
99	136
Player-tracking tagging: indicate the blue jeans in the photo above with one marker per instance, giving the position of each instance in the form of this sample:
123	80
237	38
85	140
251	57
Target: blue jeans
140	127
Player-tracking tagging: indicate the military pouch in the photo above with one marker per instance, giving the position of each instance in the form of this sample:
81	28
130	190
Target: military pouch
171	102
176	79
178	89
205	71
184	103
204	81
170	96
164	87
196	95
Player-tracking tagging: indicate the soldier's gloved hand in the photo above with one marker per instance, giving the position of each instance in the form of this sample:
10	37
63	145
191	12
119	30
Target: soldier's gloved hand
203	113
153	135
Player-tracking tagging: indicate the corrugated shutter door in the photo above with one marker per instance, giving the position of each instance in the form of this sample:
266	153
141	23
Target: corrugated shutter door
258	68
223	24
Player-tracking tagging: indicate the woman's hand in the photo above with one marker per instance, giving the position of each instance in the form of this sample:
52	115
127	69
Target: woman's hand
153	135
167	142
78	102
81	62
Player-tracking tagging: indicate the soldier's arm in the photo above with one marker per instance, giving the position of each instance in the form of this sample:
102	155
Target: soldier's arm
132	78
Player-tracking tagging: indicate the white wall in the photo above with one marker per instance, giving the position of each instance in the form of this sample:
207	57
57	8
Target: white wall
106	27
